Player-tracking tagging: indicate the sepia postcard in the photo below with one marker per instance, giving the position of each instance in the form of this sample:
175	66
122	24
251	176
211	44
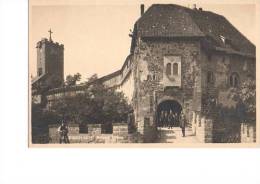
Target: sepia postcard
142	74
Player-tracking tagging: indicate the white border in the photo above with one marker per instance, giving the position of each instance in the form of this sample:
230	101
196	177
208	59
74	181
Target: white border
19	164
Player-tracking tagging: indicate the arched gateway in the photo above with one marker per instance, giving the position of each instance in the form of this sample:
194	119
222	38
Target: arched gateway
168	113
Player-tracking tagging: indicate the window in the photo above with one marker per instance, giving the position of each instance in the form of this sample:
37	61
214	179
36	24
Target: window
168	69
175	69
210	77
39	71
234	80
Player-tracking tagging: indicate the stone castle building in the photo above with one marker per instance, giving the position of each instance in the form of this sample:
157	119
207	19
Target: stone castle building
180	59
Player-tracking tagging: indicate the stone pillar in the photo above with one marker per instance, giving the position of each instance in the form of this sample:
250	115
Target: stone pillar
204	130
208	138
248	133
94	129
120	133
73	129
53	134
140	126
193	123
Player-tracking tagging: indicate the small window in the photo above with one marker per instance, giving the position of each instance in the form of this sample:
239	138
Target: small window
175	69
168	69
210	77
234	80
39	71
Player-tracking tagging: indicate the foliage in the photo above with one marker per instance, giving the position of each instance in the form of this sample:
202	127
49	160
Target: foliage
72	80
245	96
40	119
40	116
96	105
92	78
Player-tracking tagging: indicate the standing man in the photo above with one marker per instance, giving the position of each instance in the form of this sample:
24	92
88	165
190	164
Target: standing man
63	131
182	123
171	119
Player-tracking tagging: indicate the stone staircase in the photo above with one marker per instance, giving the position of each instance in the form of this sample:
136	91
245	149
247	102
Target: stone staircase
174	135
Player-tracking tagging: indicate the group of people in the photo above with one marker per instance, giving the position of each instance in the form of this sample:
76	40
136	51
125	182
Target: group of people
172	119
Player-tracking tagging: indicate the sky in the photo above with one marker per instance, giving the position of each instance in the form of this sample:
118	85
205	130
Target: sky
95	37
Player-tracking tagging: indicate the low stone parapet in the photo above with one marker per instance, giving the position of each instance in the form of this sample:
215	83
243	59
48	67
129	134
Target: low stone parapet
120	134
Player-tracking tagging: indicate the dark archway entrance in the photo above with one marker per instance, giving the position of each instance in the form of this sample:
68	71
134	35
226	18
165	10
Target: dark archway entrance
168	114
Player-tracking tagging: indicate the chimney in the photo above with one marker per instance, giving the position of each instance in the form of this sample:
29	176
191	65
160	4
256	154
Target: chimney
200	9
142	9
194	7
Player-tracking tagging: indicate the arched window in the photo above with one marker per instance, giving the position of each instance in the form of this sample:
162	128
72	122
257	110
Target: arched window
168	69
210	77
175	69
234	80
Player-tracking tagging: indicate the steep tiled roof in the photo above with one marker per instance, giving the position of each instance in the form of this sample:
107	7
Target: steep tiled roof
169	20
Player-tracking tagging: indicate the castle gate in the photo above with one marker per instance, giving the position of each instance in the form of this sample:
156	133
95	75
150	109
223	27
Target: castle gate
168	113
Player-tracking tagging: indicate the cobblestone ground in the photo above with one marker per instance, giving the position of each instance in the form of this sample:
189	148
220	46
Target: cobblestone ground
174	135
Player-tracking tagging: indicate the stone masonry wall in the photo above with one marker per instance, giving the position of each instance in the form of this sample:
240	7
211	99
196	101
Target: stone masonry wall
148	75
226	119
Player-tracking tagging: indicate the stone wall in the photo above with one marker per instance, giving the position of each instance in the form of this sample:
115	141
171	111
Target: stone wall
222	66
148	74
120	134
223	111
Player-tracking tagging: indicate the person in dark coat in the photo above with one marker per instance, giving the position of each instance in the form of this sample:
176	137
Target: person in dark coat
63	131
171	119
182	123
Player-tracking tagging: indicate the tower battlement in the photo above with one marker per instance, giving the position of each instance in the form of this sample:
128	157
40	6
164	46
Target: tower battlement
46	41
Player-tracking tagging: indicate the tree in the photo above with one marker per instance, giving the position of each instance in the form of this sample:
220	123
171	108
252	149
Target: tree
97	105
245	96
92	78
40	119
72	80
